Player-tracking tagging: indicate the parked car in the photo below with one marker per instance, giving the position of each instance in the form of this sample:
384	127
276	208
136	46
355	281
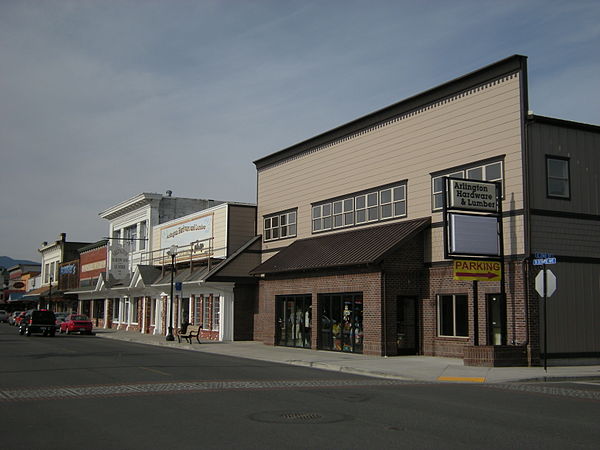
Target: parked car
38	321
13	317
60	318
76	323
3	316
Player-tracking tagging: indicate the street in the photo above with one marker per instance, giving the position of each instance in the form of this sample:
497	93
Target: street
89	393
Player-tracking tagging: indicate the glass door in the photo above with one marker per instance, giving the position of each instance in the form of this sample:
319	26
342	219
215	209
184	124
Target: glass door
495	319
293	320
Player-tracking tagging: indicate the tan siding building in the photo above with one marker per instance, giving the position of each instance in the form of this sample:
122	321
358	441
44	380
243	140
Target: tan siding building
380	178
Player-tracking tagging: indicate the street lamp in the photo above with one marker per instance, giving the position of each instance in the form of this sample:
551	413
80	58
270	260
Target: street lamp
172	252
50	294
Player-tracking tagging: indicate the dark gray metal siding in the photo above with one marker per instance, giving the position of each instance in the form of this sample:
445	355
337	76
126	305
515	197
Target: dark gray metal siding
569	229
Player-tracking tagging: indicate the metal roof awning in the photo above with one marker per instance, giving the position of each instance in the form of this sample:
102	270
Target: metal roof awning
348	248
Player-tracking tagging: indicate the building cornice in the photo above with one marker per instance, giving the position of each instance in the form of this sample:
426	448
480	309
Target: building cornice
130	205
409	106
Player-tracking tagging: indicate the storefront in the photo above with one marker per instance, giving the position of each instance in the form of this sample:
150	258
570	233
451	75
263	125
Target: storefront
351	301
294	320
341	322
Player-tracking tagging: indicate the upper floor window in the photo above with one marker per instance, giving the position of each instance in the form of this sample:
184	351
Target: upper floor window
483	172
280	226
130	238
557	177
374	205
143	235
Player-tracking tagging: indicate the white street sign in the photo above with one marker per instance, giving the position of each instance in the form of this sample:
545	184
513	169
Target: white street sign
550	283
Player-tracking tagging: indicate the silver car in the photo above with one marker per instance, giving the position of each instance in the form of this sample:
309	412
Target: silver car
3	316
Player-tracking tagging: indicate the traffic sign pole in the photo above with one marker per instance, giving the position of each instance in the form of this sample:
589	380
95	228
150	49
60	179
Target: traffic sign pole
545	321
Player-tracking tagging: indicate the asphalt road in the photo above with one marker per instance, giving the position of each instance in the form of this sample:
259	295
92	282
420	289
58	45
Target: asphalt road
83	392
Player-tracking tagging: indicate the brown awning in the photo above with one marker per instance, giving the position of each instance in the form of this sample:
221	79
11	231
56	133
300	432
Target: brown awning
349	248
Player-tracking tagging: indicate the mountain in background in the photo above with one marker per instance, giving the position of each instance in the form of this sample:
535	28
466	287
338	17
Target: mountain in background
6	262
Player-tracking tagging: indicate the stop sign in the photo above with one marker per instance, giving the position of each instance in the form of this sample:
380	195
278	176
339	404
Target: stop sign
550	283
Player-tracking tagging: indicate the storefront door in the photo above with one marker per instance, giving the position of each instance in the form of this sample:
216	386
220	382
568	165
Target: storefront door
495	319
341	322
294	320
407	325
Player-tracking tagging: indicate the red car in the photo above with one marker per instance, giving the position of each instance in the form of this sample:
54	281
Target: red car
76	323
20	317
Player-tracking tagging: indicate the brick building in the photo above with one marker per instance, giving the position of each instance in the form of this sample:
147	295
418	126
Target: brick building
356	246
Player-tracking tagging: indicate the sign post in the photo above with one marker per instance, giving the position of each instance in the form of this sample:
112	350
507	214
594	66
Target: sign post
545	285
472	212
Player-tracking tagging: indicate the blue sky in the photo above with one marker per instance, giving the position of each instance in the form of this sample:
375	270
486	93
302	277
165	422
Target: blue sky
102	100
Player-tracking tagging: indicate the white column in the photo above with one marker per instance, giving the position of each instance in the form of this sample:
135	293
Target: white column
226	310
106	302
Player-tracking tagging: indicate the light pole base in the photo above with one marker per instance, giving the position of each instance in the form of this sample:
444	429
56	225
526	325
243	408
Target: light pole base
170	336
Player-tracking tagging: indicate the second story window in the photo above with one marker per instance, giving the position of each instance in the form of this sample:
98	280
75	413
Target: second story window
482	172
280	226
557	177
143	235
130	238
377	204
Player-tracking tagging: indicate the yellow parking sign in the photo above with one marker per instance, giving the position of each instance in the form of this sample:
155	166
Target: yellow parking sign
473	270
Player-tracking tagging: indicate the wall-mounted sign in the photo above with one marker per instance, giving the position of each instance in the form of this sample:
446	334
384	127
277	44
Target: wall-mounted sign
183	233
69	269
119	262
472	195
98	265
473	235
471	270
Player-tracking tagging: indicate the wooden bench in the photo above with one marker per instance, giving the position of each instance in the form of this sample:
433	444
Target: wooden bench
192	331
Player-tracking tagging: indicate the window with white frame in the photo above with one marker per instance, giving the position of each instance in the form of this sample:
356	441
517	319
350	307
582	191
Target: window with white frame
126	309
321	217
153	312
377	204
453	316
143	234
134	310
116	304
483	172
216	313
557	177
280	226
205	312
130	238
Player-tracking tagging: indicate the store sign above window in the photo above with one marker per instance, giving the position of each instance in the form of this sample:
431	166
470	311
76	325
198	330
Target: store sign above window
70	269
472	195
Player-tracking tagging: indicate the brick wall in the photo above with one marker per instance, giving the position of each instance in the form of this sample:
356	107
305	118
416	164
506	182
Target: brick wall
522	332
369	283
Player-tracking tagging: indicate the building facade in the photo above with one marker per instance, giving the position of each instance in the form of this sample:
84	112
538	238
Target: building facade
355	236
51	294
203	255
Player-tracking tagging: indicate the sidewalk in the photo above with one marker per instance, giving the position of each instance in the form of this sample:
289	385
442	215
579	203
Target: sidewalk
410	368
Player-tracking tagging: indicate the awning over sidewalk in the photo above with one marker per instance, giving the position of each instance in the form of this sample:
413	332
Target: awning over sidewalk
349	248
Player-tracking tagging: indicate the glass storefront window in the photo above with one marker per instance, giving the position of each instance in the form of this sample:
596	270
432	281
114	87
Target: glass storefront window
341	322
294	321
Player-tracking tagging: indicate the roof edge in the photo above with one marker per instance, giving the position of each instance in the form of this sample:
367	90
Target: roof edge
564	123
492	71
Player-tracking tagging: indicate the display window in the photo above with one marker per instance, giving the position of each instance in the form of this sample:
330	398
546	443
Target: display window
294	320
341	322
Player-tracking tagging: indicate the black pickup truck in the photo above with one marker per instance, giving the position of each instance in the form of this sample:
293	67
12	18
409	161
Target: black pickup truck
38	321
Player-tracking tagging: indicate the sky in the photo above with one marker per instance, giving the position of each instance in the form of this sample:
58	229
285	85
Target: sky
102	100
